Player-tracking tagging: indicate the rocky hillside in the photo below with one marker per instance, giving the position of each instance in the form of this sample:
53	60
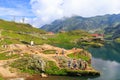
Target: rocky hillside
78	22
20	59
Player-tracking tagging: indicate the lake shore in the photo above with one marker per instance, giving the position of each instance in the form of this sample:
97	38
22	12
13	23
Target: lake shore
76	62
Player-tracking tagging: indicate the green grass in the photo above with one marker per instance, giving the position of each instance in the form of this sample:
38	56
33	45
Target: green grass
117	40
92	44
52	69
1	78
68	39
16	33
19	27
14	37
108	36
5	56
49	52
79	56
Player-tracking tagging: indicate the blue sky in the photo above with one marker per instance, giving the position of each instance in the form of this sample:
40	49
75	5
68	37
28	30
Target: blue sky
22	6
17	8
41	12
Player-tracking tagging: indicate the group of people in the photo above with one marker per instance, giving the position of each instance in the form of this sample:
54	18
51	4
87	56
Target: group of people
77	64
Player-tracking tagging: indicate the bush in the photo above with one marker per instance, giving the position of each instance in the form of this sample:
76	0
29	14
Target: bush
29	64
34	64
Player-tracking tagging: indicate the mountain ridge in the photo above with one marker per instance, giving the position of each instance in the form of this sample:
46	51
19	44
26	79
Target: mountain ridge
85	23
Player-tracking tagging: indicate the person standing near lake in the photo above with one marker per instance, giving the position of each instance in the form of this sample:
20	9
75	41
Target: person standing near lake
74	64
86	64
80	63
69	63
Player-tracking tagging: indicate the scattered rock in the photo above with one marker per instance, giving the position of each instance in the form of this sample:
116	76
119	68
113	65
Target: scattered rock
43	75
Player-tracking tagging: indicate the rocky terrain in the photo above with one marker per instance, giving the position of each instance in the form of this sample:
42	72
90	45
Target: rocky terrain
59	57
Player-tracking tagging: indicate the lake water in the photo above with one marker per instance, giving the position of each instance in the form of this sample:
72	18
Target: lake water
110	70
105	59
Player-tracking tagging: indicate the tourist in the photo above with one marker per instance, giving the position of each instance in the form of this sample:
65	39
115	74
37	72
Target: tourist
80	64
75	66
56	53
32	43
85	65
63	51
69	63
75	50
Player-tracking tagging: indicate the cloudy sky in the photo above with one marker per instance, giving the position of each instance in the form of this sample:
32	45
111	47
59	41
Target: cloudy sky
40	12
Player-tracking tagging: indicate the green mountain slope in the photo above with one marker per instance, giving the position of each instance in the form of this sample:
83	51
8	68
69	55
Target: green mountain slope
75	38
11	32
12	26
78	22
113	32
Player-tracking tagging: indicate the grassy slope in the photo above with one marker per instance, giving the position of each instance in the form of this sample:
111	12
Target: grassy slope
24	33
72	39
13	33
67	40
19	33
12	26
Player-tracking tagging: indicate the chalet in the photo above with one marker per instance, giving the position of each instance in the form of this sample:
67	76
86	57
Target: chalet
98	36
50	33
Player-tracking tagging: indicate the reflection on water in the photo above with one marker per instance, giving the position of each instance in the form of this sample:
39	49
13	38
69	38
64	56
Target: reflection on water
107	61
110	70
109	52
58	78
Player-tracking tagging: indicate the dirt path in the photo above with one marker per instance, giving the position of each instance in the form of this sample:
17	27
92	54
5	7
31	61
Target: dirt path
38	50
5	71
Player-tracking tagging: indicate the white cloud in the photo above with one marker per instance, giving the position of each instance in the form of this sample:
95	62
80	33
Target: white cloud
16	14
47	11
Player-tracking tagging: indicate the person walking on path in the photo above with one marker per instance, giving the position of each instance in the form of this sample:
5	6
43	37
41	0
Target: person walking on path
63	51
56	53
